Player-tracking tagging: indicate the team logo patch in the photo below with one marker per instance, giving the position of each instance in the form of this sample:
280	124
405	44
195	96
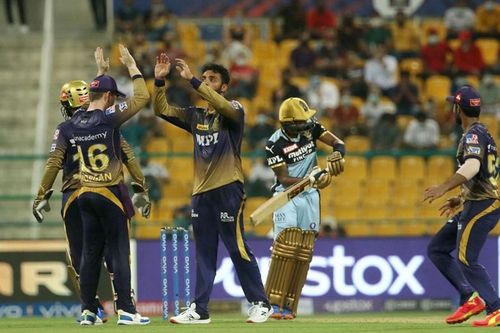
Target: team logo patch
202	127
312	225
122	106
56	134
53	147
458	98
94	84
109	111
288	149
474	150
471	139
236	105
475	102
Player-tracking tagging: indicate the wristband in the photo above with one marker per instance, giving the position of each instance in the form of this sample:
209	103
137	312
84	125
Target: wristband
195	82
159	83
136	76
340	147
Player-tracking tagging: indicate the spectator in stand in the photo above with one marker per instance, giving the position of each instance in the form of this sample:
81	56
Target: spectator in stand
236	48
458	18
260	180
352	75
434	54
405	37
373	108
170	44
159	20
320	19
386	135
286	90
244	79
382	70
323	95
346	117
303	57
406	95
329	60
488	20
293	19
422	133
467	58
350	34
128	18
258	134
376	33
489	90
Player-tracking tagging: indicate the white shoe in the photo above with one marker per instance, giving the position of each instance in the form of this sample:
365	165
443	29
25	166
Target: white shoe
259	312
89	318
189	316
126	318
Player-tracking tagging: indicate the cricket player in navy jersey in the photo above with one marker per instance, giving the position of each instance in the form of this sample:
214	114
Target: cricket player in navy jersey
467	231
103	197
73	96
218	196
291	153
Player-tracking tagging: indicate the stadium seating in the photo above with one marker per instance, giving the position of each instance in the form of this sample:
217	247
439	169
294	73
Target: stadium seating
357	143
412	167
355	168
489	49
437	87
383	167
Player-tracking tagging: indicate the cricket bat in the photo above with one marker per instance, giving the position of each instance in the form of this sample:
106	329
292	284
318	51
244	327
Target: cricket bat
280	199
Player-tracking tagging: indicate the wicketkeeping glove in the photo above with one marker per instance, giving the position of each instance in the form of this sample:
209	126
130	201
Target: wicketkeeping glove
319	178
140	199
335	163
40	205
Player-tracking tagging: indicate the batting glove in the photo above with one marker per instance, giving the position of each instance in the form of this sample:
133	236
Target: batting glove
319	178
140	199
40	205
335	163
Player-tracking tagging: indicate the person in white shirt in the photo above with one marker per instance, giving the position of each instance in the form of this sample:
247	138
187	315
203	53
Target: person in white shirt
459	17
382	70
322	95
422	132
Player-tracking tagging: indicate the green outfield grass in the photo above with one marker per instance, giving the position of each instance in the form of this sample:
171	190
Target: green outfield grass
234	323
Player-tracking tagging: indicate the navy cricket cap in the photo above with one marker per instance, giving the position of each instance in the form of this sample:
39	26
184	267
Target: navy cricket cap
468	99
105	83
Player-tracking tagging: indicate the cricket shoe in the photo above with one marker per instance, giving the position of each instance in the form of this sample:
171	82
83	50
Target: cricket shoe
259	312
126	318
473	306
102	315
89	318
276	312
491	320
190	316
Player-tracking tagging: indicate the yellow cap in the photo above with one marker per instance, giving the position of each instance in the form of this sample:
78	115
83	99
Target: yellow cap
295	109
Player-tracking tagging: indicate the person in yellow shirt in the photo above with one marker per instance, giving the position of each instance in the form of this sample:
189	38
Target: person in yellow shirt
405	38
488	20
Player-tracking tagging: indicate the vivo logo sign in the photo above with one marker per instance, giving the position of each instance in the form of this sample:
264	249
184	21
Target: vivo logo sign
342	274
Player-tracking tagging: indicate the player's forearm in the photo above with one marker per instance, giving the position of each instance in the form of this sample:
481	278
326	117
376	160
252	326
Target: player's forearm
133	71
288	181
48	178
216	100
160	103
454	181
134	169
136	102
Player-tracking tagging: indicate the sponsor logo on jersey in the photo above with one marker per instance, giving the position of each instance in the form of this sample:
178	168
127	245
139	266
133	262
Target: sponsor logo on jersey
225	217
202	127
91	137
122	106
301	153
53	147
472	139
109	111
193	214
274	160
207	140
288	149
474	150
56	134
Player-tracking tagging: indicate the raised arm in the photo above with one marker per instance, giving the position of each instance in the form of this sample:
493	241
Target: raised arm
134	104
102	64
160	104
216	100
131	163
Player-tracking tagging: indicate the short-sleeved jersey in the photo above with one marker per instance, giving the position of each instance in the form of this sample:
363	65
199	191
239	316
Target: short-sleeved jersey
217	145
298	154
478	143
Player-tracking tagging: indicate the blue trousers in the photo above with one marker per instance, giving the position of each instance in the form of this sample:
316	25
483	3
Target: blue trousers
219	213
466	232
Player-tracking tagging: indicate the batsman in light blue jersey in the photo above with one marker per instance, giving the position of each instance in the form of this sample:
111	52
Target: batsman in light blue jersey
291	153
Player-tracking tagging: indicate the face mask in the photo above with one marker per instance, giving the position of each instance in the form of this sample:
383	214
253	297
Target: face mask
489	5
373	98
433	39
261	119
345	100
